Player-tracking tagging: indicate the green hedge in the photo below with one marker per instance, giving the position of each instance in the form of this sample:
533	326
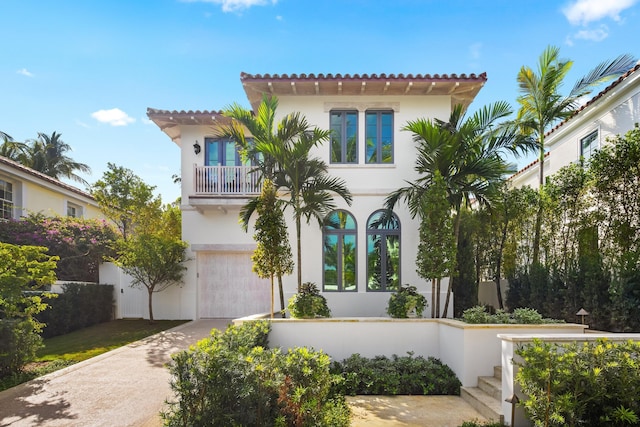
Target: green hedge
233	379
80	305
396	375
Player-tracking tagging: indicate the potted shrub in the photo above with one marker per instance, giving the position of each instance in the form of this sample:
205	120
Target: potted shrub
406	302
308	303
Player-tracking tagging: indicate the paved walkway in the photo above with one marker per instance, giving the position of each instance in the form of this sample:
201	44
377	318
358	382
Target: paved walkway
124	387
128	387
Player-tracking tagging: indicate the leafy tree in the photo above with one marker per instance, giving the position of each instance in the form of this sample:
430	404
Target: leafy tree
23	271
46	154
126	199
437	248
468	155
153	256
282	153
542	104
273	255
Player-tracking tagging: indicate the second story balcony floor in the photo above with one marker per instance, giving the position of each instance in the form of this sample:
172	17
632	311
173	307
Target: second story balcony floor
219	186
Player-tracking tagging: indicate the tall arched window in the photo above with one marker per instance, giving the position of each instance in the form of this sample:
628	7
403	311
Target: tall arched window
339	252
383	251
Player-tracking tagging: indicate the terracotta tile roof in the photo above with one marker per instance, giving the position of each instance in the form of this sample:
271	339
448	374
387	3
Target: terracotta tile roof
597	97
155	111
529	166
383	76
47	178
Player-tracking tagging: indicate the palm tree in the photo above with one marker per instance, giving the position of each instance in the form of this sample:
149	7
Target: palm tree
541	103
281	153
467	154
50	158
12	149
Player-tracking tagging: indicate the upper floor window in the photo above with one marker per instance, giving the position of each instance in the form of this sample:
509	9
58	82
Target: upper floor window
6	199
588	145
219	152
344	136
74	210
339	251
379	136
383	251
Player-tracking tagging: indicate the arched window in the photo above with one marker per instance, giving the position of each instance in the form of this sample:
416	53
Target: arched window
383	251
339	252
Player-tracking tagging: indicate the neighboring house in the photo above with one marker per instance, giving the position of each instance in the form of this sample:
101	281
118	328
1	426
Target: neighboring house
613	111
24	191
356	263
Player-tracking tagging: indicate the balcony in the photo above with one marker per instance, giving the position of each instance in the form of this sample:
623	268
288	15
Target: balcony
220	186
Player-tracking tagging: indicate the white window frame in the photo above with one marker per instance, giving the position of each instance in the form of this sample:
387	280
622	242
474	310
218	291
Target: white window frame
593	145
79	211
10	202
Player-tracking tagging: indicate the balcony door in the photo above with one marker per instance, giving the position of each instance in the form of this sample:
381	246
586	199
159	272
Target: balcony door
219	152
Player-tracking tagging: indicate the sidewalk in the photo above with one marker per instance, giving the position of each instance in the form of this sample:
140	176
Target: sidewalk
124	387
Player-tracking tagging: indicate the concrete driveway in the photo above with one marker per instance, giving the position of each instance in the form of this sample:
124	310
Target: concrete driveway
124	387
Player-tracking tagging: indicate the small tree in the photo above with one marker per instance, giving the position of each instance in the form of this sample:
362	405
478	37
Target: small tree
23	271
154	257
273	255
437	248
126	199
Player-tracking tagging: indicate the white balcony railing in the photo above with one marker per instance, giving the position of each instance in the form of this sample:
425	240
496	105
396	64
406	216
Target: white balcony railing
225	180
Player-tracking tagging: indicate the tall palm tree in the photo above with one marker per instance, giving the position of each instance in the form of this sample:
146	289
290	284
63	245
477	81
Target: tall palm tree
467	154
51	159
12	149
542	104
281	152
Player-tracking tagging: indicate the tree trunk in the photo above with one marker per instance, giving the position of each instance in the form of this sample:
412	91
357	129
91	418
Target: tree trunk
498	277
299	254
438	282
150	291
433	298
456	234
272	296
536	237
281	290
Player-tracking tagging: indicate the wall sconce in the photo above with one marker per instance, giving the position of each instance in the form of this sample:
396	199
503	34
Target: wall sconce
197	148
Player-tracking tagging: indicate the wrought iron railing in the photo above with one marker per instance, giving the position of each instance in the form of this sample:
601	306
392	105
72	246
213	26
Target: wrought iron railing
229	180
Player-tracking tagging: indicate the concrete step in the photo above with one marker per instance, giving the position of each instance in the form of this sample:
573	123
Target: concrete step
492	386
488	407
497	372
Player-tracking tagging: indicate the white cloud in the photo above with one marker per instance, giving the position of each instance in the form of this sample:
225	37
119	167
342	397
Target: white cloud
596	35
114	117
235	5
25	72
582	12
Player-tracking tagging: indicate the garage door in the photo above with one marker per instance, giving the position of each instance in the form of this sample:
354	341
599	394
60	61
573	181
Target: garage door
228	288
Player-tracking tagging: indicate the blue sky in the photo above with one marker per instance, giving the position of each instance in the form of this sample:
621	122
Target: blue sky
89	70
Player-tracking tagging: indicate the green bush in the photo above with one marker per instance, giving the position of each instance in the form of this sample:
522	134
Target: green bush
233	379
19	342
405	301
481	424
586	384
525	316
308	303
79	306
396	375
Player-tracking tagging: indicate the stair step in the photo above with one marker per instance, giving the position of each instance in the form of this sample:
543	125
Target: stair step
492	386
486	405
497	372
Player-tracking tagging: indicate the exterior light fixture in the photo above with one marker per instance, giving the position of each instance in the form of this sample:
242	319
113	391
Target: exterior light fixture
513	399
582	313
197	148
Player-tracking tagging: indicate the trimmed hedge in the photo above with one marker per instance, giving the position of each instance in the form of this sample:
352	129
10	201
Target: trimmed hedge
80	305
396	375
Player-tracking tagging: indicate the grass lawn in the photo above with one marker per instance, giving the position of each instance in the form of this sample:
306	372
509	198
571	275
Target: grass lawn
64	350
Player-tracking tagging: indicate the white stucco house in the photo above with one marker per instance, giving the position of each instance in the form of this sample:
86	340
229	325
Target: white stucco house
368	150
613	111
24	191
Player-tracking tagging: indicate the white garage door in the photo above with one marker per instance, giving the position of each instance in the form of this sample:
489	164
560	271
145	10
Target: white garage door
228	287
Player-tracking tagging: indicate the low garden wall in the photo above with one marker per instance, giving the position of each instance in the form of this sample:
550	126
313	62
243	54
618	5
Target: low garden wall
470	350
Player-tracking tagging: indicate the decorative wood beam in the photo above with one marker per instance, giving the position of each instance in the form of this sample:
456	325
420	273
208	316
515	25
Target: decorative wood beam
317	86
430	88
363	87
339	88
270	85
293	88
408	88
453	88
386	86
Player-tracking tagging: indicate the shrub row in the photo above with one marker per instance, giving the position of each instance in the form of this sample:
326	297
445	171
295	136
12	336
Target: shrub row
581	384
80	305
233	379
524	316
396	375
